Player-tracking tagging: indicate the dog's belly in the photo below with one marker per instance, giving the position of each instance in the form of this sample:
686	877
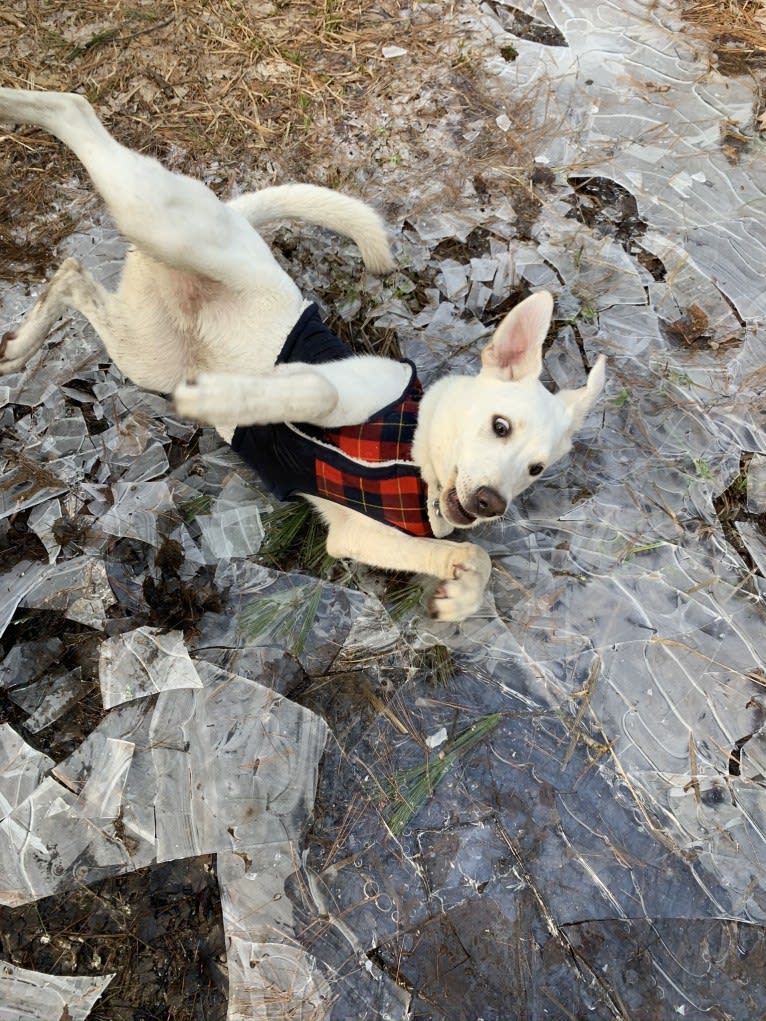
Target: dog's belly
183	324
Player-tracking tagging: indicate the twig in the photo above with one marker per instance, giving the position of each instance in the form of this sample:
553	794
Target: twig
111	34
587	694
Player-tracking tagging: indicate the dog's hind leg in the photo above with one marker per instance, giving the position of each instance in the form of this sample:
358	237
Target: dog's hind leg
175	220
70	287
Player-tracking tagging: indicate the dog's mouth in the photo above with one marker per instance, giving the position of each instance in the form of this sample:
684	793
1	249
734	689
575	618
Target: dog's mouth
454	511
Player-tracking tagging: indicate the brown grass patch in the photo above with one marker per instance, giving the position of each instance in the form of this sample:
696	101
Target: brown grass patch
247	92
239	91
233	80
735	31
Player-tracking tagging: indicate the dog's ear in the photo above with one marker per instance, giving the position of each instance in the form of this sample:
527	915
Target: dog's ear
516	349
579	402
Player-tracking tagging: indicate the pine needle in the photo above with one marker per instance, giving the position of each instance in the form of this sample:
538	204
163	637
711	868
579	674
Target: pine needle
296	540
287	616
438	665
408	791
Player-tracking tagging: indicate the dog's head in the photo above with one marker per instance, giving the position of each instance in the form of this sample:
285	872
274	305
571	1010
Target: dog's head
493	434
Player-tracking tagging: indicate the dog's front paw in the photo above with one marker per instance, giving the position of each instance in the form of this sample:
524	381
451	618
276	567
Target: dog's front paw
208	399
460	596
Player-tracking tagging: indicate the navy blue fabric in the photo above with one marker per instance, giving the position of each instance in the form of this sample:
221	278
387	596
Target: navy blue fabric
273	450
313	342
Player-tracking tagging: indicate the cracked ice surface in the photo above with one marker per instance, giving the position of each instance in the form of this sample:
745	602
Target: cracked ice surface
30	996
602	842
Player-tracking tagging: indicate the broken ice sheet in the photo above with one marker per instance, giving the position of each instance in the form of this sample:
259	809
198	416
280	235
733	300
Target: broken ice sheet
598	270
453	279
439	226
448	325
268	979
136	510
188	771
289	945
150	464
279	960
101	796
724	818
250	755
308	618
51	697
133	447
66	435
21	769
685	293
25	483
233	528
754	539
78	588
41	521
756	484
14	585
143	662
33	996
49	843
628	101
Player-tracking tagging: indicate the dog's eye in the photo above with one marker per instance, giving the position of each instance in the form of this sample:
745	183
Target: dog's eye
501	426
536	469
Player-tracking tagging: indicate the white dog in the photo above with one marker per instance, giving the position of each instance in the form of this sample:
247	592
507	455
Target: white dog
205	312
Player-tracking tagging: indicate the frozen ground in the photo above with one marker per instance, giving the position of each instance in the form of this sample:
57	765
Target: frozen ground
572	822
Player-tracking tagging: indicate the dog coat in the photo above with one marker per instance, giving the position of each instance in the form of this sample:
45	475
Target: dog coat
366	467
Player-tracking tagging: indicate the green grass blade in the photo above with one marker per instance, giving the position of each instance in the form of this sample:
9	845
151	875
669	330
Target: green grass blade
409	789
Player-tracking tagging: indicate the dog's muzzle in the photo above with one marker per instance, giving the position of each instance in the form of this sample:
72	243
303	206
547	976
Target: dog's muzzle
484	503
487	503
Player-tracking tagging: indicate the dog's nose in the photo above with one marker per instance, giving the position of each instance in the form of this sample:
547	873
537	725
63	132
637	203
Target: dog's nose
488	503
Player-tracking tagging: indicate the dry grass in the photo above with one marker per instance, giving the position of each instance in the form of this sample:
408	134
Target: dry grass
734	29
238	91
236	75
236	81
248	92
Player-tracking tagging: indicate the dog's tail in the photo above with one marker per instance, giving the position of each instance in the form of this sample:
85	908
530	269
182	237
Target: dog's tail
326	208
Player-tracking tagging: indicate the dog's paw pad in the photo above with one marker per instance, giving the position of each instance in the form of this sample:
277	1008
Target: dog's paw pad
457	600
460	596
436	602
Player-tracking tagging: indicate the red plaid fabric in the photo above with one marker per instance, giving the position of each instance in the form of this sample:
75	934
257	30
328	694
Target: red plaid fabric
399	500
372	471
387	436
